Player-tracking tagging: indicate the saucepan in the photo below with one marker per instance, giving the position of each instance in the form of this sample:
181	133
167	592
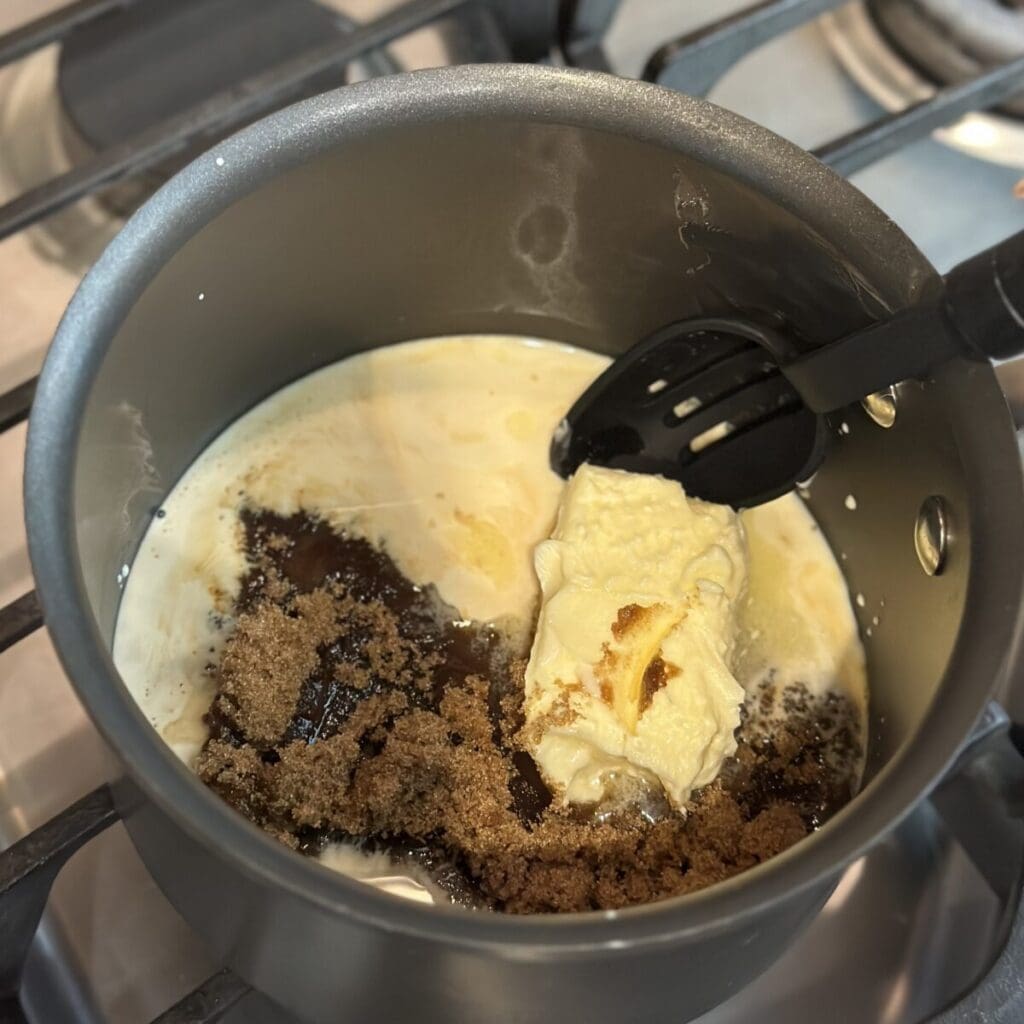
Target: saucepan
519	200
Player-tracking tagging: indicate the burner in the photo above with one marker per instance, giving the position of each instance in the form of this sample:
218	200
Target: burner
952	41
126	72
60	105
899	51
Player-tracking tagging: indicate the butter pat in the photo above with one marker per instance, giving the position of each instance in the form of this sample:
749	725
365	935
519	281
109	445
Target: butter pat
629	681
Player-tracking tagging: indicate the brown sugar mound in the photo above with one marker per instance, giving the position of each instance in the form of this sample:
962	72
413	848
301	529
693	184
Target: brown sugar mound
352	704
271	655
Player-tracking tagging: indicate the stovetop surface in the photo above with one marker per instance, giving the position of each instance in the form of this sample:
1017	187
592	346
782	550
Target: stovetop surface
909	927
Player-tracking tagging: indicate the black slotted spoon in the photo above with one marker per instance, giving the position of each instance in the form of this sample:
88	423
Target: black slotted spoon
732	409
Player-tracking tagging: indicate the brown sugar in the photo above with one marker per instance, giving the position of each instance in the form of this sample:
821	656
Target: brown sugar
352	704
271	654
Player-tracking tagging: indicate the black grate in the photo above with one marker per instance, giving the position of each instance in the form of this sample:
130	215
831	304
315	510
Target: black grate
230	109
569	31
21	617
694	62
53	27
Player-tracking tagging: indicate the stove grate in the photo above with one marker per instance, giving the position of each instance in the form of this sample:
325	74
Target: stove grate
692	63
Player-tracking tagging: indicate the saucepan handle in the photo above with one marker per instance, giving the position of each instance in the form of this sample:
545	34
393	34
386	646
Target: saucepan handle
985	299
982	802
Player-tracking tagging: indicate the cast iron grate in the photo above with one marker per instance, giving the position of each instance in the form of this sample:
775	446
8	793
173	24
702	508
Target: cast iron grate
574	30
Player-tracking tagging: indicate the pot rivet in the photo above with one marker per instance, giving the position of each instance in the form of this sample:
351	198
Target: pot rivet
931	534
881	407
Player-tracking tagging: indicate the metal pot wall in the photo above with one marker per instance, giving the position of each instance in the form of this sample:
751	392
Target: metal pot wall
519	200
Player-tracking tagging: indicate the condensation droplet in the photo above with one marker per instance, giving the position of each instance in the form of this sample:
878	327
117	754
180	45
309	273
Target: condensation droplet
850	502
861	602
844	427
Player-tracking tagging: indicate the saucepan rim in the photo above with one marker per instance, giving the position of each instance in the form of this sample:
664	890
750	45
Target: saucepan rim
989	634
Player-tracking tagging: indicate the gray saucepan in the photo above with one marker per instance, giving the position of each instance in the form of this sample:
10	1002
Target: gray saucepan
560	204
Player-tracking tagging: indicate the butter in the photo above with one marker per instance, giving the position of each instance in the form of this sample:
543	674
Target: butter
629	682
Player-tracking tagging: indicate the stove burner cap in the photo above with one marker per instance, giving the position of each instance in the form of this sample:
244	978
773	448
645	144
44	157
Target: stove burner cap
128	71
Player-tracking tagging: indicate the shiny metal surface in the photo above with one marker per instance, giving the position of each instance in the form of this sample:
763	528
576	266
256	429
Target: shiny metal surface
931	534
881	407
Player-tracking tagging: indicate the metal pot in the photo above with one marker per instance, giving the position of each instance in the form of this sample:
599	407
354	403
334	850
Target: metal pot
513	199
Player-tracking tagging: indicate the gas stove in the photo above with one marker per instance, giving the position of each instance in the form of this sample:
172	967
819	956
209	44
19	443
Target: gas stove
101	100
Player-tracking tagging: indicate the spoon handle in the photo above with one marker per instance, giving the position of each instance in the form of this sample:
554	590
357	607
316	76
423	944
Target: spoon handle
985	299
979	312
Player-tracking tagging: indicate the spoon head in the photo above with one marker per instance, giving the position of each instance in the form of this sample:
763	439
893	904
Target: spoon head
702	402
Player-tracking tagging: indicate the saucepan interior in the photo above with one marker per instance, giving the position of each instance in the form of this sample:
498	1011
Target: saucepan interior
458	203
